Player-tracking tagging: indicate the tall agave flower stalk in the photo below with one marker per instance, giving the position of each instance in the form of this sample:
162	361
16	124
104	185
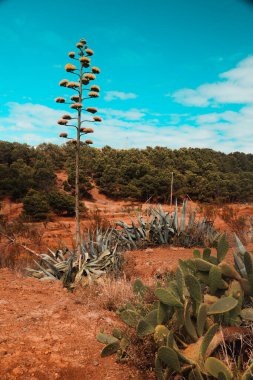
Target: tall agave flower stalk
84	90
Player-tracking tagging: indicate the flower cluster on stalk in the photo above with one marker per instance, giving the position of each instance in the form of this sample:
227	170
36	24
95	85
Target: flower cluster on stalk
85	74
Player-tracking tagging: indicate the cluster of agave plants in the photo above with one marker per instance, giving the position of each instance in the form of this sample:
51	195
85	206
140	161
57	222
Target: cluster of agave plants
206	304
99	256
159	227
101	251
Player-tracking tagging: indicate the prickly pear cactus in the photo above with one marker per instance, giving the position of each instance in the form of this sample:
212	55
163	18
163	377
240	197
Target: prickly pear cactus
186	322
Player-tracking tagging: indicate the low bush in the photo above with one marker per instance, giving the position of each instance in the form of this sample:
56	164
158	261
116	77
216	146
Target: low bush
36	206
61	203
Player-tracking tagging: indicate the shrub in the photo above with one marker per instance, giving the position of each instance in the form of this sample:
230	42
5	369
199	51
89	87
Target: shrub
36	206
61	203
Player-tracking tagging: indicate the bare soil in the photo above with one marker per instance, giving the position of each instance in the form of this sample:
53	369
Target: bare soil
48	333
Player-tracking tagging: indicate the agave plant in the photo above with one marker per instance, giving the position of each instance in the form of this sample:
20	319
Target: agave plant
157	227
99	255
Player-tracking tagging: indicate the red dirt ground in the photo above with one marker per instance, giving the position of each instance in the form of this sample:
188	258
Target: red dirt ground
48	333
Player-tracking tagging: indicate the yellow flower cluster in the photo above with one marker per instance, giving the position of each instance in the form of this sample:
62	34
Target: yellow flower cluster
76	105
75	98
89	52
85	81
66	116
71	54
60	100
95	70
89	142
84	60
94	87
79	45
90	76
93	94
62	122
87	130
97	118
83	41
63	134
91	109
73	141
72	85
63	82
69	67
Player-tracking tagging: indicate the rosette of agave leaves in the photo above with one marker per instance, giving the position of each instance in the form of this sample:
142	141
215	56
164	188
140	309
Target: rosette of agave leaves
99	255
180	227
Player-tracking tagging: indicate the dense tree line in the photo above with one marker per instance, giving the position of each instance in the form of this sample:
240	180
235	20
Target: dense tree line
138	174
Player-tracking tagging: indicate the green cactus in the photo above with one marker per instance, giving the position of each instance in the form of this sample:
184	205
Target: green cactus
169	357
110	349
208	337
189	325
151	317
160	335
162	313
223	305
197	254
247	314
130	317
214	279
206	253
229	271
222	248
144	328
117	333
193	287
167	297
106	338
203	265
158	369
201	319
139	287
214	367
180	283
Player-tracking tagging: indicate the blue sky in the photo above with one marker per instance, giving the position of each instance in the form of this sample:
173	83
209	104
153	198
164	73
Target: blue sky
174	73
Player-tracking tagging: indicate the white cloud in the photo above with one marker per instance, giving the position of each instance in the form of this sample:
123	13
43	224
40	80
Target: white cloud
113	95
234	87
226	131
132	114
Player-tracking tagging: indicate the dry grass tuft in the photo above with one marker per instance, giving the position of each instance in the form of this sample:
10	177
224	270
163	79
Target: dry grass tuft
107	293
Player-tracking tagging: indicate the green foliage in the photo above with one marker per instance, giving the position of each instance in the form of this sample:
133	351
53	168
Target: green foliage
157	227
61	203
202	174
99	256
186	319
36	206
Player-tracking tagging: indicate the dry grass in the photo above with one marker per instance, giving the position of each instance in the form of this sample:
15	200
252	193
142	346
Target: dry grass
107	293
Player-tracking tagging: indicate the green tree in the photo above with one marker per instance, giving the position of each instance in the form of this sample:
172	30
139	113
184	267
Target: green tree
36	205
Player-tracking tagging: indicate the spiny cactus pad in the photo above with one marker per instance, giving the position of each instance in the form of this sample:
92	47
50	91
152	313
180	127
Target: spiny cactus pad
130	317
167	297
223	305
110	349
214	367
169	357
